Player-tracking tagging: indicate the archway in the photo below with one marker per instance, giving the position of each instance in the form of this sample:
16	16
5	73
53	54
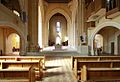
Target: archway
49	15
98	28
98	44
13	44
58	30
22	34
9	39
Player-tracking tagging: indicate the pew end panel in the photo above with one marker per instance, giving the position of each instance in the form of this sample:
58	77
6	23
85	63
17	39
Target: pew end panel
99	74
32	74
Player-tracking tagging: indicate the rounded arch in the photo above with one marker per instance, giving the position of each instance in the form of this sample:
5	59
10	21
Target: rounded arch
50	14
12	43
13	26
20	33
61	11
98	28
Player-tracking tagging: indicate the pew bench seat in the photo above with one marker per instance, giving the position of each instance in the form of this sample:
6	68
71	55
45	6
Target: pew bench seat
15	72
27	73
103	69
15	69
95	74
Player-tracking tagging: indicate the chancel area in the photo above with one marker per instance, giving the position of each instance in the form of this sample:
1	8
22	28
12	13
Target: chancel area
59	40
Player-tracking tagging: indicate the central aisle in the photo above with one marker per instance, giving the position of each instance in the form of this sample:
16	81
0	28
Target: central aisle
58	69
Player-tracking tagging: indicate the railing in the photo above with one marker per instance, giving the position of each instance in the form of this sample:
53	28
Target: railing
8	16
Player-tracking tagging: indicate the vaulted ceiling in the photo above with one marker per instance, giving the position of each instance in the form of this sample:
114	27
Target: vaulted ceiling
58	1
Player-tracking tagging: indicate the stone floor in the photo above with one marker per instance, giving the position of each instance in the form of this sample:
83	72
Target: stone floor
58	69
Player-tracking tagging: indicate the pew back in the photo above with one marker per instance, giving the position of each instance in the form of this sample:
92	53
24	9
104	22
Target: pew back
97	62
93	58
100	74
19	66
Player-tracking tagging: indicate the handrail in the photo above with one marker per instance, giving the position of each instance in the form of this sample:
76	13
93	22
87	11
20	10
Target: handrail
8	16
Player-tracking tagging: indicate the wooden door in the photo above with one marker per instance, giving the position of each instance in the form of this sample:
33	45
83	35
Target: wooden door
112	48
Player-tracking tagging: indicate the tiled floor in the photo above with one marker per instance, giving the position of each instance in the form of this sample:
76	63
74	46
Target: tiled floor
58	69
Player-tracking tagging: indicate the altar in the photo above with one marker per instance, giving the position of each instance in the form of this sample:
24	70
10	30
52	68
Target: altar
58	47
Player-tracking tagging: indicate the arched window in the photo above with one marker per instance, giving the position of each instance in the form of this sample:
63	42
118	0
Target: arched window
58	28
58	31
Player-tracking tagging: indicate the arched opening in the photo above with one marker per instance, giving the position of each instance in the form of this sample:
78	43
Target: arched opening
47	23
98	44
105	41
114	35
13	44
58	30
9	40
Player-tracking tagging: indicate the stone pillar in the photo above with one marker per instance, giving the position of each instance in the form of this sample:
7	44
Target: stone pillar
22	47
81	18
4	41
32	24
81	26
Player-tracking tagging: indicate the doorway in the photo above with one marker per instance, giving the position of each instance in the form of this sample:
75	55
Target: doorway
112	48
58	30
13	44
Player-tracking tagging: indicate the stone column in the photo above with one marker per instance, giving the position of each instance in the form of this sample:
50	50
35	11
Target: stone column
4	41
32	24
81	18
82	49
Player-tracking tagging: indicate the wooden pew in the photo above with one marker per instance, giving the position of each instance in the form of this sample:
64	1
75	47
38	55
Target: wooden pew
94	63
92	58
20	64
23	73
24	58
100	74
32	74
